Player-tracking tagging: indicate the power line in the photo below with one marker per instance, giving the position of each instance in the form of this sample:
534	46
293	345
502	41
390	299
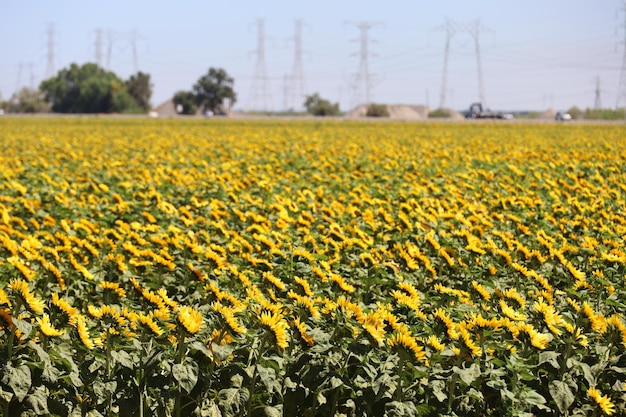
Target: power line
363	81
260	96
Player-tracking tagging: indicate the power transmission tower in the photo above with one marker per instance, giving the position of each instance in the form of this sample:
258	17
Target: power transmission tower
109	48
597	103
473	29
298	84
98	46
32	76
363	81
133	42
260	95
621	90
18	82
50	53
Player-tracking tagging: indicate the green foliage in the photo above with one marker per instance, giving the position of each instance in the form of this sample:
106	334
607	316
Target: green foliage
604	114
91	89
139	88
185	102
26	101
439	114
318	106
575	112
213	88
377	110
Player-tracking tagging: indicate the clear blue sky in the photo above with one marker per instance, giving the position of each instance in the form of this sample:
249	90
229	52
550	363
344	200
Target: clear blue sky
535	54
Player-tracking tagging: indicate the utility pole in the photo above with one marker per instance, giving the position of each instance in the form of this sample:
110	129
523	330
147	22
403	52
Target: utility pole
363	81
50	53
260	96
621	90
597	103
472	28
298	84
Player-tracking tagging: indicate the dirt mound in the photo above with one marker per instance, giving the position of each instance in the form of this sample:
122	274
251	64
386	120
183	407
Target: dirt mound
404	112
396	112
548	114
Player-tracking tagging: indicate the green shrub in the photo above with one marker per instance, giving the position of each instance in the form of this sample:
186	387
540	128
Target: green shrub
439	114
377	110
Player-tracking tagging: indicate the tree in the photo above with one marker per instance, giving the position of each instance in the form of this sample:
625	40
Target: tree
27	101
139	88
318	106
92	89
213	88
185	102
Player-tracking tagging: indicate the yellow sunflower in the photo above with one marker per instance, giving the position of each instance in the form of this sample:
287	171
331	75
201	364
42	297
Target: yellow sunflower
190	319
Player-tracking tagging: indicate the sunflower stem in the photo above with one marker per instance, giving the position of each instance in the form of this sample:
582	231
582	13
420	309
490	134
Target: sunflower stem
399	392
179	359
252	389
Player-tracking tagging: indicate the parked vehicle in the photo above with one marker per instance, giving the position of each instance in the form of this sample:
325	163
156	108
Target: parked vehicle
476	111
563	116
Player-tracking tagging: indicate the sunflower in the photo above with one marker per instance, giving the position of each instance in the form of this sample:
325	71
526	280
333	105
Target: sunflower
4	298
148	321
278	326
406	342
47	328
33	303
83	332
71	313
303	333
603	401
190	318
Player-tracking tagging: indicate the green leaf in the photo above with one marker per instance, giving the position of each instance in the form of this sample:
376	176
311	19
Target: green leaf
123	358
208	409
532	397
38	401
50	373
268	377
335	382
467	375
400	409
562	395
103	389
274	411
43	355
23	326
549	357
5	396
186	374
233	400
439	390
19	379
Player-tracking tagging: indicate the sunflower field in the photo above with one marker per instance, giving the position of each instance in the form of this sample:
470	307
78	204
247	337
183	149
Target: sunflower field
304	268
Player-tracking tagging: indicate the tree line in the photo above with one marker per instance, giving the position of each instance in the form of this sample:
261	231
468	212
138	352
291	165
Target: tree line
89	88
